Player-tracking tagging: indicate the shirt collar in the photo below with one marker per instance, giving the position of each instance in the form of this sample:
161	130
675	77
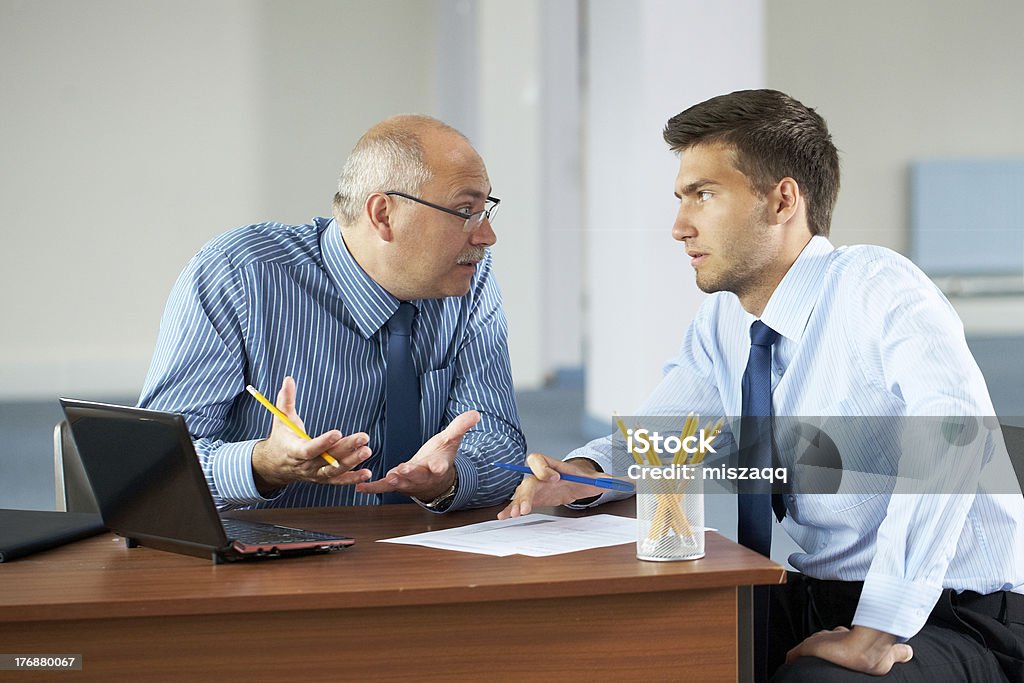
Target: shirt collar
370	304
792	302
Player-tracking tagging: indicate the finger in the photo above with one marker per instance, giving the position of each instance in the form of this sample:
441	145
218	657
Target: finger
457	428
525	507
349	443
349	461
522	498
329	475
514	509
409	476
308	457
379	486
350	450
286	396
542	467
314	448
413	478
534	492
902	652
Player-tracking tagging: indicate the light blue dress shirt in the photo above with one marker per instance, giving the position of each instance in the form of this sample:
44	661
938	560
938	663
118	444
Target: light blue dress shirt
864	333
264	301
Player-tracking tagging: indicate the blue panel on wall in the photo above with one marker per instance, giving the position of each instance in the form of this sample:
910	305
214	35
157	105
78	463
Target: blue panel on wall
967	217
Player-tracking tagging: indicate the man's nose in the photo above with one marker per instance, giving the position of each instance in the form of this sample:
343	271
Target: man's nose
483	234
682	229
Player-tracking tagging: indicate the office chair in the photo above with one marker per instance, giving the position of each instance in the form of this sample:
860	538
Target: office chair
71	485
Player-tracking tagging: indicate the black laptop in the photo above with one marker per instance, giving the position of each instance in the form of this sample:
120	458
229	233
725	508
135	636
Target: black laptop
150	488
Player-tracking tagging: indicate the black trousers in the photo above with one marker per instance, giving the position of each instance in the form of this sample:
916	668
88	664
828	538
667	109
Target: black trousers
968	637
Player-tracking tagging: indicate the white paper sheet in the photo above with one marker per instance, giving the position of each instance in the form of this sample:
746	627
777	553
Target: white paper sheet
534	535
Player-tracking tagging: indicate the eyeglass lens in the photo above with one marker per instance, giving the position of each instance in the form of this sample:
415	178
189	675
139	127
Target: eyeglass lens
474	221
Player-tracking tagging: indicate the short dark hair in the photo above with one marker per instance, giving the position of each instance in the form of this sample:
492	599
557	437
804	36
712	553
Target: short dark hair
773	136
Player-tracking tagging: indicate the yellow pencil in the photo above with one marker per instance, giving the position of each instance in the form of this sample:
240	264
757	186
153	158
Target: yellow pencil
688	428
715	431
625	435
287	423
652	457
691	424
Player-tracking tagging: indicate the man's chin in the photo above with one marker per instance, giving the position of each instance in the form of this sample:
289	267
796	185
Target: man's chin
456	289
707	286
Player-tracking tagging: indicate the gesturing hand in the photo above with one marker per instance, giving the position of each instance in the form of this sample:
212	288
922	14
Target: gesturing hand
431	471
285	456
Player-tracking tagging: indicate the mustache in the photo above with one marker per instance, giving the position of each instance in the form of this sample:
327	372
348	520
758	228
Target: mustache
472	255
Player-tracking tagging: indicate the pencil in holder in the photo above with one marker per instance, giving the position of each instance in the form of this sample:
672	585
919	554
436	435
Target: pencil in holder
670	513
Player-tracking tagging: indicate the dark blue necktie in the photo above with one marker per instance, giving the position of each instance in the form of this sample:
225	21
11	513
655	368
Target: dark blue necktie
401	398
755	499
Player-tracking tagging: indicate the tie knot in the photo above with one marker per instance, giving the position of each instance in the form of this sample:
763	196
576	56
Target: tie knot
401	321
762	335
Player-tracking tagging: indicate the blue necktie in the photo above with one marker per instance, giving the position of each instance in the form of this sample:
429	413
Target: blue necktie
755	499
401	398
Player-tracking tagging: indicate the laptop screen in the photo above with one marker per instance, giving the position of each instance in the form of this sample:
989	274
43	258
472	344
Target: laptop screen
144	473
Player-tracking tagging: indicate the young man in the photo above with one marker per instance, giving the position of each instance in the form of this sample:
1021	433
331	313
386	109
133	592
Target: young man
383	328
922	586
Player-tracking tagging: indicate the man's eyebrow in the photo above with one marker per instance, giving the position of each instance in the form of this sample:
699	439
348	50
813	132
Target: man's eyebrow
475	194
696	185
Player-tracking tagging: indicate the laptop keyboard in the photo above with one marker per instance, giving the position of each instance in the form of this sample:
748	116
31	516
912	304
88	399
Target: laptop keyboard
257	533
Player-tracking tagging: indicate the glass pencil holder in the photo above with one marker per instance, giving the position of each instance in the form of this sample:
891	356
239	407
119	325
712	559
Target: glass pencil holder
670	513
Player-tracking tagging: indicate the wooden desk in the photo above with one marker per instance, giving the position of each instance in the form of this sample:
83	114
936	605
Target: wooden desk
379	611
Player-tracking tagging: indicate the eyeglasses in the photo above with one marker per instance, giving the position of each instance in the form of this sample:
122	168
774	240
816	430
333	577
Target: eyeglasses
473	220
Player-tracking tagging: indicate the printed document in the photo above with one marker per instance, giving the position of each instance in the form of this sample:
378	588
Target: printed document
535	535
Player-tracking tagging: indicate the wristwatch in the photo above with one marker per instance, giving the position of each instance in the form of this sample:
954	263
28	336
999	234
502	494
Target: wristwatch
441	503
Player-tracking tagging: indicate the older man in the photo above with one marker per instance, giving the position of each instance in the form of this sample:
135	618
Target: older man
382	328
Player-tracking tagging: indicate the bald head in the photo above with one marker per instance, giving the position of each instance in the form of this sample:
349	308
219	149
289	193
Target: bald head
394	155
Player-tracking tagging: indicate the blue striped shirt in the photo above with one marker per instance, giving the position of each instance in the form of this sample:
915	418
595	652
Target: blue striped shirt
264	301
863	333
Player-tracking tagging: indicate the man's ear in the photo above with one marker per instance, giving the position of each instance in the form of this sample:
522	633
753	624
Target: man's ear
785	200
378	211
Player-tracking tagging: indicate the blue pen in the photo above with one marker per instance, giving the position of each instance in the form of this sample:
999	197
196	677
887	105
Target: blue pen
602	482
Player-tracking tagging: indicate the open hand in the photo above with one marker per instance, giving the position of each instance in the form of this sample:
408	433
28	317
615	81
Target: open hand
430	472
284	456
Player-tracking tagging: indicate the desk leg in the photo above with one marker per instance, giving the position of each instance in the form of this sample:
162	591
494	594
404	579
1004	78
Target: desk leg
745	634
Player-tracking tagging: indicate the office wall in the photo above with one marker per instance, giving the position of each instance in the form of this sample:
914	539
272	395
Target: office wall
896	81
508	75
899	81
510	128
135	131
646	61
